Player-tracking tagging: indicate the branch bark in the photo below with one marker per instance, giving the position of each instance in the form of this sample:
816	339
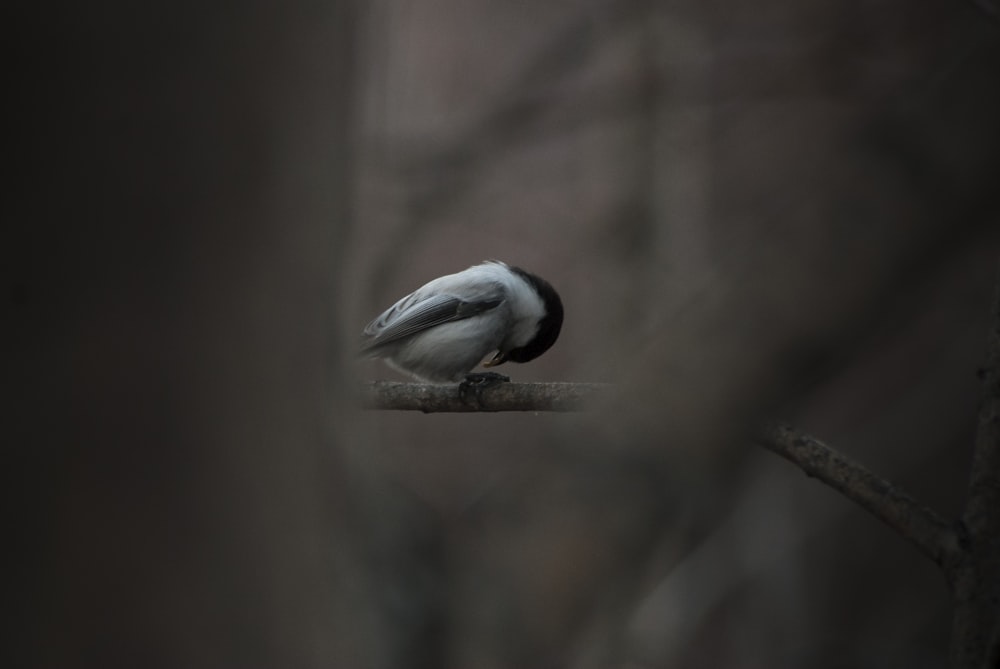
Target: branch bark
932	534
431	398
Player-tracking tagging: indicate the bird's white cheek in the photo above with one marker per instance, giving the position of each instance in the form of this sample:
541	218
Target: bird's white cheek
522	332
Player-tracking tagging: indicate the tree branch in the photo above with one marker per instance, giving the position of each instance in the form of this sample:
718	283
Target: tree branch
975	578
431	398
932	534
981	515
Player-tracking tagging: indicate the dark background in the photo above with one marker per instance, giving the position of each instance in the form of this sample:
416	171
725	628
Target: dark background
750	211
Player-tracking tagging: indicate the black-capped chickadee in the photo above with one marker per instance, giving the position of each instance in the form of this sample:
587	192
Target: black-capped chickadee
442	330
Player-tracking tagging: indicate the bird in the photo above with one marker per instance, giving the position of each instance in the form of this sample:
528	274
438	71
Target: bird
440	332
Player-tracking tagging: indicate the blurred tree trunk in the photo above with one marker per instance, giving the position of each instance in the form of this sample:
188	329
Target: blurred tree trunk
181	203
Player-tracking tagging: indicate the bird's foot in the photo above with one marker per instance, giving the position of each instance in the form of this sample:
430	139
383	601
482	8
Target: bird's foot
474	383
484	379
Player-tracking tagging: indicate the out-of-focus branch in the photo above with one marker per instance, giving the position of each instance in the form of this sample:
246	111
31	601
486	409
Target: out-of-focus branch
982	513
526	109
932	534
431	398
976	577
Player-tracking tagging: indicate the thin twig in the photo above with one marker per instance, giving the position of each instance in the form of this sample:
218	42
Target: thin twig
431	398
928	531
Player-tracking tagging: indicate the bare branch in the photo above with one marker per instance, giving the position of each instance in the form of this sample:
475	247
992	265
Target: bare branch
981	516
932	534
976	577
431	398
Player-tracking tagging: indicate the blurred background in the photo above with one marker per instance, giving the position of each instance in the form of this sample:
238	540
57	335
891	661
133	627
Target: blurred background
751	212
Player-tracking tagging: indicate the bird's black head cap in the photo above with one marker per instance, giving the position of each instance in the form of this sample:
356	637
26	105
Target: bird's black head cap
548	327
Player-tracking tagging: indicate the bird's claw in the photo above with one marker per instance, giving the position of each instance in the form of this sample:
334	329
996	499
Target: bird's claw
484	379
474	383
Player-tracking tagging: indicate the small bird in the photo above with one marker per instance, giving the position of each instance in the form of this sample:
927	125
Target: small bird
441	331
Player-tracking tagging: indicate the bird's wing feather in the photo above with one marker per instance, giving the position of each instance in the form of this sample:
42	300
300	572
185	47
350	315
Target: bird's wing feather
416	313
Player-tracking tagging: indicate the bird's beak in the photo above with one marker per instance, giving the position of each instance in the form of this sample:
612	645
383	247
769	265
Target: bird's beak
498	359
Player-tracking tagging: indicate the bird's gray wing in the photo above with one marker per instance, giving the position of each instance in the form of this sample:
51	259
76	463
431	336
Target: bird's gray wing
413	314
